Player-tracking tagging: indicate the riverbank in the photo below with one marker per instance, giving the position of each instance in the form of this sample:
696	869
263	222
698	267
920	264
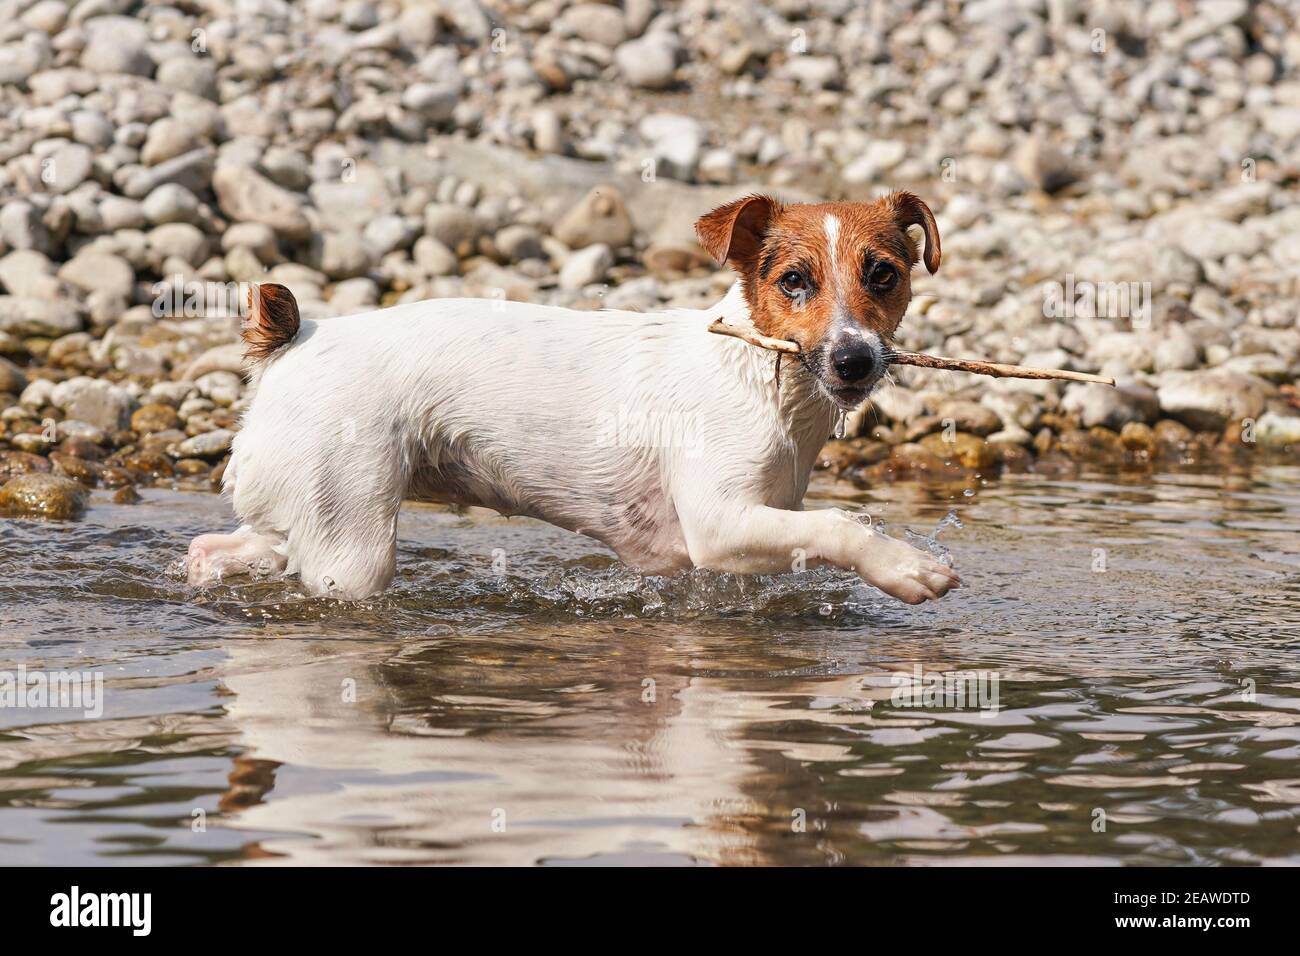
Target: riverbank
1117	192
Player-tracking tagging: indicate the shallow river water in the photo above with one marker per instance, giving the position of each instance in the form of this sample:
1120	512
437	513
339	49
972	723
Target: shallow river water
1131	693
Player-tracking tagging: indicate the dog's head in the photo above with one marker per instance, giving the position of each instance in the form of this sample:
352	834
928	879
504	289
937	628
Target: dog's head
833	277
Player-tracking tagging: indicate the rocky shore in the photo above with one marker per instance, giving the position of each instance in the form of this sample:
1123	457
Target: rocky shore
1117	186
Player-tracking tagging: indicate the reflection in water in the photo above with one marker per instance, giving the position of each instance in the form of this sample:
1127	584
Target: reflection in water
519	697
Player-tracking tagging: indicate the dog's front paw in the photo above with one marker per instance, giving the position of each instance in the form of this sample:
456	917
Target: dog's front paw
903	572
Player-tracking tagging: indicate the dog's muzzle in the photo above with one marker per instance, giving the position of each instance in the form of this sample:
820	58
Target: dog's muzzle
853	363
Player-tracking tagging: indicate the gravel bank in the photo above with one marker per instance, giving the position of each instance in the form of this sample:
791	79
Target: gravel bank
1115	183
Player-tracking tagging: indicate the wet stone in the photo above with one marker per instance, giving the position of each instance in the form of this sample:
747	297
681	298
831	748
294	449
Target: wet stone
1172	438
911	456
189	467
154	418
211	444
1078	444
1139	439
149	464
43	496
968	451
161	441
81	447
970	417
841	456
219	472
77	469
21	463
1011	455
34	442
111	476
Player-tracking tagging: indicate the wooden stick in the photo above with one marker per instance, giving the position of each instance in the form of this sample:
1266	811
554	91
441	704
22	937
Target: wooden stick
994	369
919	359
753	338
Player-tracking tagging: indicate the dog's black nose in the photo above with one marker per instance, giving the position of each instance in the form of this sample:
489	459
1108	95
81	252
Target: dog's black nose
852	363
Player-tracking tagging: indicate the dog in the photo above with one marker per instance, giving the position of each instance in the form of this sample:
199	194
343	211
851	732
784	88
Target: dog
674	447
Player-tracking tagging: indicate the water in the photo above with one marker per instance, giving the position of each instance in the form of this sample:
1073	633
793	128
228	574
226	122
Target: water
518	697
931	542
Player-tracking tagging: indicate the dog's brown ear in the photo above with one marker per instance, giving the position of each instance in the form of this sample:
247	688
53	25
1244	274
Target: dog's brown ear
910	211
734	232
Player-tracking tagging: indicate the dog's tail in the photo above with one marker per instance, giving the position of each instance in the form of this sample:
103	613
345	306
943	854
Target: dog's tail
272	320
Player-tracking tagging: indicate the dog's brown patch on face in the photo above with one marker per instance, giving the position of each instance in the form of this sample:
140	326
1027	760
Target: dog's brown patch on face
804	265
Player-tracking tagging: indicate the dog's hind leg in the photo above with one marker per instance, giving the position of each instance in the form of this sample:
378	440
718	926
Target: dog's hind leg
343	540
329	477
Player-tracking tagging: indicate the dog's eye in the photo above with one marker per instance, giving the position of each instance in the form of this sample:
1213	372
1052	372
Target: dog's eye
882	276
793	283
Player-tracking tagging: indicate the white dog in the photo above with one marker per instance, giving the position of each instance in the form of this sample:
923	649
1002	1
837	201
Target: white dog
673	446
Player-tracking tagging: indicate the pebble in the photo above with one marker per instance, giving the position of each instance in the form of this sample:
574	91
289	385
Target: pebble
245	195
586	266
453	226
78	469
92	271
191	74
675	143
154	418
1208	400
518	242
67	167
117	44
43	496
910	458
600	217
14	463
94	401
968	451
970	417
170	202
419	151
1111	407
12	379
208	445
649	63
595	22
1138	438
126	495
1278	431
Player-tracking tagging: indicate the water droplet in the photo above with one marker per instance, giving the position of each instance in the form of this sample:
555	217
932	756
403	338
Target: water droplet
839	425
826	610
969	493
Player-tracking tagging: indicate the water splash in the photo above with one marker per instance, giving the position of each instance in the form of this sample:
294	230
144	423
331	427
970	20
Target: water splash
868	520
931	543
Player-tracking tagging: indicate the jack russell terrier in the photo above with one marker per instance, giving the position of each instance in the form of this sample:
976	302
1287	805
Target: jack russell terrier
508	406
